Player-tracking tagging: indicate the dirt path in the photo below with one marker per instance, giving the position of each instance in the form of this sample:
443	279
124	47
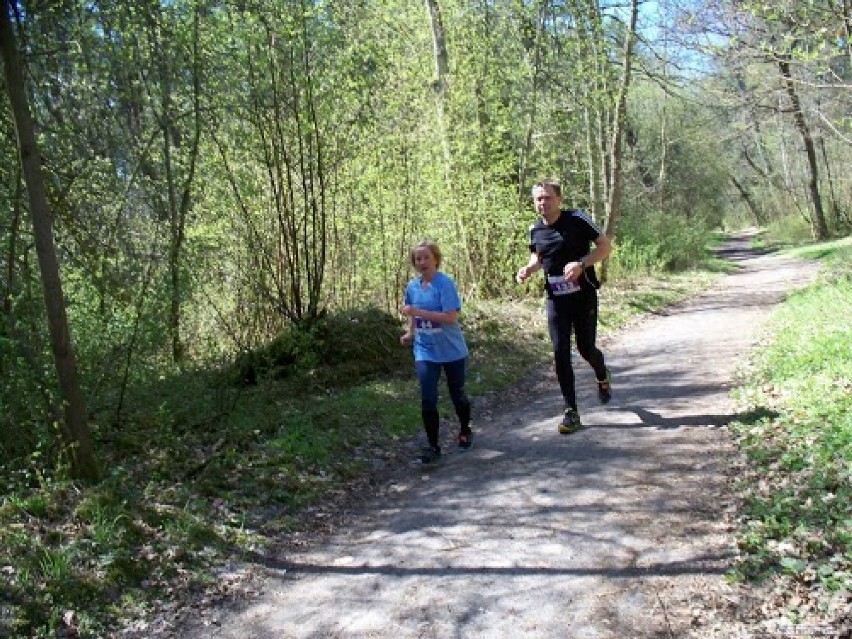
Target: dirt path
617	531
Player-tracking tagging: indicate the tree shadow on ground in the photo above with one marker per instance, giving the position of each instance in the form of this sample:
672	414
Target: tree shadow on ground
651	419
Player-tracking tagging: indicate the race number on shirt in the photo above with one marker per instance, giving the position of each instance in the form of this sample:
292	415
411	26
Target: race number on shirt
426	326
560	286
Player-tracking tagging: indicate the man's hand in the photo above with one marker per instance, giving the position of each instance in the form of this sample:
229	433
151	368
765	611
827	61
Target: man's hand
573	271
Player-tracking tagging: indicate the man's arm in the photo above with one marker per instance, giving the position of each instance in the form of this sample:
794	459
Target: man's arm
603	248
532	266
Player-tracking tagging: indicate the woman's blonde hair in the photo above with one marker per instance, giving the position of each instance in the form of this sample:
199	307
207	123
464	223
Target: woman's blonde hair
433	248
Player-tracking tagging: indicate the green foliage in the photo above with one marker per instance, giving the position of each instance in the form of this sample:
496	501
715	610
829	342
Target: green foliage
651	241
789	230
500	346
26	400
683	174
798	520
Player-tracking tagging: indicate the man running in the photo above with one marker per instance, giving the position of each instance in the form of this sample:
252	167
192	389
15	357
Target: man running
560	243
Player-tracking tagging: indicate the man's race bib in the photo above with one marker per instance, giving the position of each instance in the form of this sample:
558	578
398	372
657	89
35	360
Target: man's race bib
426	326
560	286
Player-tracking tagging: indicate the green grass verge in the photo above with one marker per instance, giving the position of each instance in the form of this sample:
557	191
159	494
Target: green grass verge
797	487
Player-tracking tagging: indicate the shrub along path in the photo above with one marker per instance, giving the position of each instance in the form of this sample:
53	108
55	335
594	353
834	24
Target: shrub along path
620	530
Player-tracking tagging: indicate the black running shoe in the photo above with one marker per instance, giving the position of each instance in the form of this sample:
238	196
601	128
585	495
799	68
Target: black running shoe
430	455
465	441
570	422
605	389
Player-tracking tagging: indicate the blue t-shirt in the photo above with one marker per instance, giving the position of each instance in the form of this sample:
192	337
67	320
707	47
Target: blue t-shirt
435	342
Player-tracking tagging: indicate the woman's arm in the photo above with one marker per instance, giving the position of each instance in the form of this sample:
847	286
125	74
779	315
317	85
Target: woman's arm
440	317
408	337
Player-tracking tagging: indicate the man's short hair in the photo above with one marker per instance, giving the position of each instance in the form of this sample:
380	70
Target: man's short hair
549	184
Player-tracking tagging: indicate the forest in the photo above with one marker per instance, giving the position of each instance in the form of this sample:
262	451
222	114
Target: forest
202	200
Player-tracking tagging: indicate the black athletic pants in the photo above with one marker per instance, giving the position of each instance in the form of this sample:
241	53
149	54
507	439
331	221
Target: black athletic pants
577	313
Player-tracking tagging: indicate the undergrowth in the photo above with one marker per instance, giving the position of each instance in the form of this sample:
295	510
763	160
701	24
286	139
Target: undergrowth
797	486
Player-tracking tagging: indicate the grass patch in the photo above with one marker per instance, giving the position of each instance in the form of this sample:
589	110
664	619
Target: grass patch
797	486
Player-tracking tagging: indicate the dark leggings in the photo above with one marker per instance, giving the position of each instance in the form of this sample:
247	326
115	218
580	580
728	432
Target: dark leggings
579	315
428	374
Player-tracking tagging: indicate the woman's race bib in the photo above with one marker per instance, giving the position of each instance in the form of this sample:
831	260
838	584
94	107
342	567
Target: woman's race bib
426	326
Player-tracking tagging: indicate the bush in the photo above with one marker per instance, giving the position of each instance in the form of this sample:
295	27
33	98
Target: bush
792	230
349	346
656	240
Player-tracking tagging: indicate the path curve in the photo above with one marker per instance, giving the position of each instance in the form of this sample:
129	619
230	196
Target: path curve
617	531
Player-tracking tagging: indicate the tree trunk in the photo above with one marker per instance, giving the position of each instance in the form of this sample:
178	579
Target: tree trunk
832	195
178	212
755	212
786	179
613	203
441	87
592	159
662	176
532	106
439	45
11	257
819	229
79	440
598	114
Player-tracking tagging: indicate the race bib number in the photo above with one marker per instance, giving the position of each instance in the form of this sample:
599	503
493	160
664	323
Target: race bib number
426	326
560	286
